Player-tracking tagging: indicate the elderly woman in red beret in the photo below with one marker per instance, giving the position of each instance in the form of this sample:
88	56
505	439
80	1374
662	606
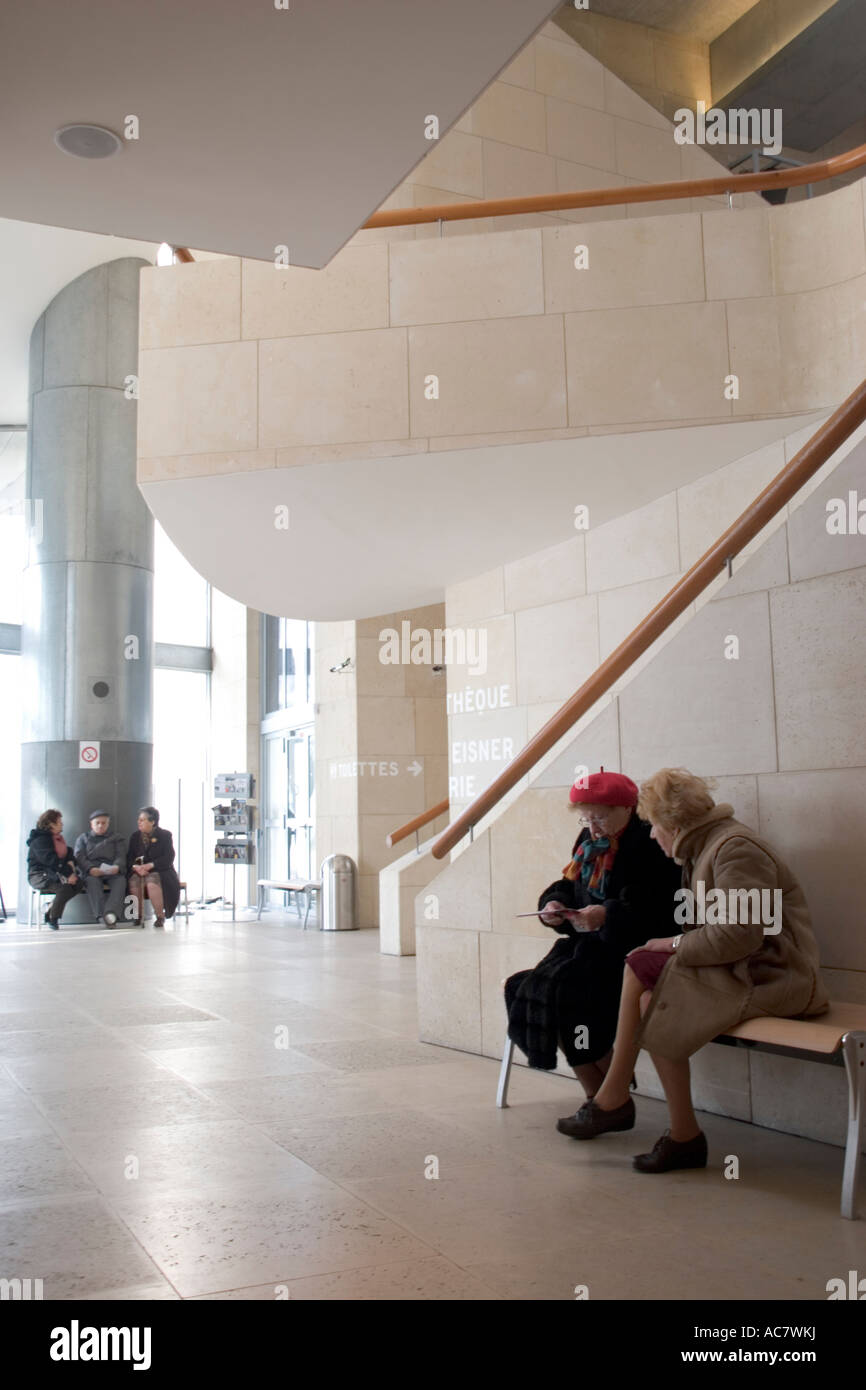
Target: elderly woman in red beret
734	961
616	891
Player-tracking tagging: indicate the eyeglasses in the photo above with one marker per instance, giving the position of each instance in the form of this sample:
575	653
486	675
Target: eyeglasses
604	819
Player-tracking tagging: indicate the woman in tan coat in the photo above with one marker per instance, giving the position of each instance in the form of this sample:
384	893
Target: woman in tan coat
747	951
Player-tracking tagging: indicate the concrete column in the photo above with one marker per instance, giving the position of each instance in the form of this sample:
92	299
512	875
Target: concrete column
87	635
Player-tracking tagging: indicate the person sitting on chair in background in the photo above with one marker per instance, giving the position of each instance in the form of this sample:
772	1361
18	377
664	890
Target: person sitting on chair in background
738	958
101	860
619	888
51	864
150	865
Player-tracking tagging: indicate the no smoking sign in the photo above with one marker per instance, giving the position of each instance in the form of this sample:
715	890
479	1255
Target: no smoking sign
88	754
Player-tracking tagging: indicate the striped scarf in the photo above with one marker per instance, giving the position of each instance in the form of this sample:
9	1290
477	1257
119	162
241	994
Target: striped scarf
592	862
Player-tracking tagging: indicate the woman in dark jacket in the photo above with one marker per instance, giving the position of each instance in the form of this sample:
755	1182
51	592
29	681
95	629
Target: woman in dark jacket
150	865
616	892
51	864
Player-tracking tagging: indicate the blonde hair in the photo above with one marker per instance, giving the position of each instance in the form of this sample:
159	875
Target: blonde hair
675	798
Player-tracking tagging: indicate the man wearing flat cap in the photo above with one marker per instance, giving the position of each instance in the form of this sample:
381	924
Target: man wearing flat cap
101	859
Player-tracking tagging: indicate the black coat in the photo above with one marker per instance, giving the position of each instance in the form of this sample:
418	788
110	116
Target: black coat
579	981
159	853
43	861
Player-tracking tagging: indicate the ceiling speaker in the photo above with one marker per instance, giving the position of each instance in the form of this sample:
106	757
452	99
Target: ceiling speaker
87	141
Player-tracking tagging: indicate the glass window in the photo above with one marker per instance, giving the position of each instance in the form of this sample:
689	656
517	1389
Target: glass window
13	555
288	663
181	727
16	515
10	760
180	596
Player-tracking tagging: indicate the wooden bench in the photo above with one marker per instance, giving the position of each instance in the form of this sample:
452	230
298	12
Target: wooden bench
837	1038
289	885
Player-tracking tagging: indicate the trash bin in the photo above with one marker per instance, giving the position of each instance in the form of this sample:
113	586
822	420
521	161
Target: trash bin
339	894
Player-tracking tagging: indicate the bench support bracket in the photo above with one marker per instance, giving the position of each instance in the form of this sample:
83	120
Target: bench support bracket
854	1052
505	1074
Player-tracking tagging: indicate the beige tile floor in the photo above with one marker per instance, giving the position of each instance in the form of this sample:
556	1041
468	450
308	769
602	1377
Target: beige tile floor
243	1111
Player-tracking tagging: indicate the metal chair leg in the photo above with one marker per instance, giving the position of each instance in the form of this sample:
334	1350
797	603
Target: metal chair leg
261	902
854	1052
505	1074
308	897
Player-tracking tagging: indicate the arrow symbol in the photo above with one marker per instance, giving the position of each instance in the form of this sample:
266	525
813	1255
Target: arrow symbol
415	768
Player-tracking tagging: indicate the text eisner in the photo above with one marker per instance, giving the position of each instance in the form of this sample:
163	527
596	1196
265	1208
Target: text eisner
77	1343
482	750
741	906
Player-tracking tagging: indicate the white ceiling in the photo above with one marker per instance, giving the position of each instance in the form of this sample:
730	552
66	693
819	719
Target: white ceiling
258	126
371	537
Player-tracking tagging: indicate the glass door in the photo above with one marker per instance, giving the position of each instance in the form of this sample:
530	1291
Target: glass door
300	818
288	809
276	795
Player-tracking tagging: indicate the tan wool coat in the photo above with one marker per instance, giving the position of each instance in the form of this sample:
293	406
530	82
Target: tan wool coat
724	973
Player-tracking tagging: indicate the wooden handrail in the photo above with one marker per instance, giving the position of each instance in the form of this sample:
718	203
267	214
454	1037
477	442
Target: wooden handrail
424	819
643	193
730	182
813	455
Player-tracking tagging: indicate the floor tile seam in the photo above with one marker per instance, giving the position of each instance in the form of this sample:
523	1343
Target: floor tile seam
216	1190
396	1175
133	1045
111	1295
58	1134
11	1203
383	1031
151	1259
200	1094
421	1062
51	1199
500	1208
398	1224
340	1180
224	1191
374	1269
328	1119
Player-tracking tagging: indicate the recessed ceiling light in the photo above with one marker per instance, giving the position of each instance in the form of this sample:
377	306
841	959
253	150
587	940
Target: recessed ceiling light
87	141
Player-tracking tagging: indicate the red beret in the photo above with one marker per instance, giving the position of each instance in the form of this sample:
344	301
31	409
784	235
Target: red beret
604	789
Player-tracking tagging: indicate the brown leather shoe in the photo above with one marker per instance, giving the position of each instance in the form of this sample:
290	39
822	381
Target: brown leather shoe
671	1153
591	1120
